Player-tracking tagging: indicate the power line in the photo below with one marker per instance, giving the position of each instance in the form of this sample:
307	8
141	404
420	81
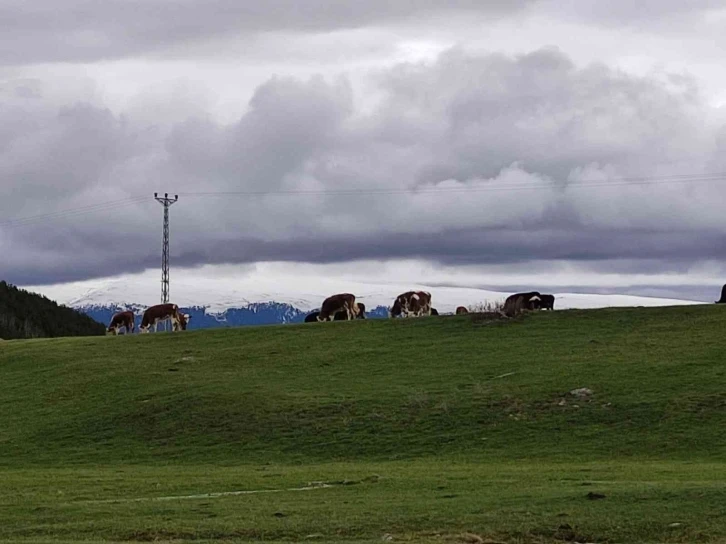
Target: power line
72	212
413	191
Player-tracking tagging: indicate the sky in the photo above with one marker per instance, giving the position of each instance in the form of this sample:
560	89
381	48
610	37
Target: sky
526	143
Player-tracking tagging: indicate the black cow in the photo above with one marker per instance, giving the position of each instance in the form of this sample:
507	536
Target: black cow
312	318
547	302
722	300
518	302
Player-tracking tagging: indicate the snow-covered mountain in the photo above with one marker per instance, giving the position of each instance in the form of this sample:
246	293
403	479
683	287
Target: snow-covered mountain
263	299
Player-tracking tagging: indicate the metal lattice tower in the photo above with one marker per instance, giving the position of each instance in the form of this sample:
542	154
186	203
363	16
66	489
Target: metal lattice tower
166	202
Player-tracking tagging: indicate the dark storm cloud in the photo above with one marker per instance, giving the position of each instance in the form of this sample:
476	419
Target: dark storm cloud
472	159
84	31
485	246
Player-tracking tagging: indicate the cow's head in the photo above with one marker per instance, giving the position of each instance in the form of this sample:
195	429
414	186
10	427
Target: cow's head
111	331
395	310
361	310
184	320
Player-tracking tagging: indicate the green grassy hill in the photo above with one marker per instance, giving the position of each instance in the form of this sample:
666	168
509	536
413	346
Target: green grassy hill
412	411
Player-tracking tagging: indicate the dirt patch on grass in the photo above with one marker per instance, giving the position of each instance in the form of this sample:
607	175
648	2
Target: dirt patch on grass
702	405
486	318
167	535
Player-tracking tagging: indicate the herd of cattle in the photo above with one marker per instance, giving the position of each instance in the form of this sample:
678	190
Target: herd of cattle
340	307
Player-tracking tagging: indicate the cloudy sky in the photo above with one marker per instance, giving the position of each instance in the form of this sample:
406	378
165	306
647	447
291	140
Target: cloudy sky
501	143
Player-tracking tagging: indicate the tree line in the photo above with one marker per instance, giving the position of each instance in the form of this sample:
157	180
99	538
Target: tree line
29	315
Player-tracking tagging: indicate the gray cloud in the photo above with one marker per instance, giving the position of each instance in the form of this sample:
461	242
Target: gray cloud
630	14
79	31
475	159
82	31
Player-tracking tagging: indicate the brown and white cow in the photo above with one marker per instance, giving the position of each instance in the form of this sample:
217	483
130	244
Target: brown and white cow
340	316
121	319
415	303
164	312
461	310
343	302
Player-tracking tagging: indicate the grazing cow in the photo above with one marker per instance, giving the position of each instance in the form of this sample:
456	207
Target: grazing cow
522	301
163	312
342	316
343	302
121	319
461	310
722	300
339	316
416	303
547	302
434	311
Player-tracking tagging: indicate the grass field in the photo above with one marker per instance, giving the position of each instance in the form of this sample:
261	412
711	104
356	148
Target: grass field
441	429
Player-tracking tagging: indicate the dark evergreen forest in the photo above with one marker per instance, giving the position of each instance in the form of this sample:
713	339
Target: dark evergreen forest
29	315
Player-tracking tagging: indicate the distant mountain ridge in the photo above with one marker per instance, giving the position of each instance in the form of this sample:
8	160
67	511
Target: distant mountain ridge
265	299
